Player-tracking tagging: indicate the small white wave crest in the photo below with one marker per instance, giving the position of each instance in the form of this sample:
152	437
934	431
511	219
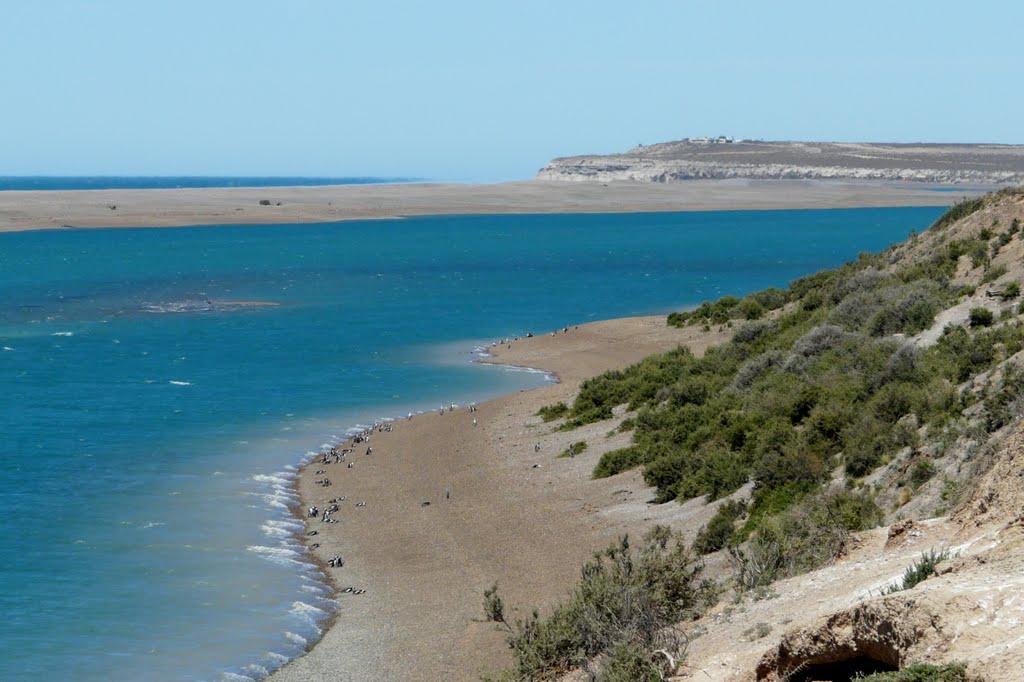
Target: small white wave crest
234	677
255	671
308	614
278	555
276	659
296	639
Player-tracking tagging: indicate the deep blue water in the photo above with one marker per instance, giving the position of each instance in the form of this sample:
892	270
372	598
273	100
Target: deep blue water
149	436
33	182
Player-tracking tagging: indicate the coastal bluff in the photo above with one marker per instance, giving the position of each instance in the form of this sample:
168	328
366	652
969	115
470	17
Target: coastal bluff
723	159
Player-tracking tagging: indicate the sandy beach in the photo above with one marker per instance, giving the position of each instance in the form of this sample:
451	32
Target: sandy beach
455	502
33	210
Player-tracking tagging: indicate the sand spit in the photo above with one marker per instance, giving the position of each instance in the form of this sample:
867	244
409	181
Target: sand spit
457	501
32	210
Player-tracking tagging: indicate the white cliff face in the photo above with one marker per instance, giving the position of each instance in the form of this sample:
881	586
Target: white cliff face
680	161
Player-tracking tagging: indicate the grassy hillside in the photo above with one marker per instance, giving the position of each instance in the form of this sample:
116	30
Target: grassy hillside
838	398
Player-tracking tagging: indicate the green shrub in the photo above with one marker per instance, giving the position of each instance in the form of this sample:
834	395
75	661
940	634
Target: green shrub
551	412
716	534
919	571
922	472
494	606
678	319
629	662
617	461
1002	406
756	367
754	330
771	299
992	274
866	442
575	449
749	309
622	606
958	211
716	312
806	536
981	317
1010	291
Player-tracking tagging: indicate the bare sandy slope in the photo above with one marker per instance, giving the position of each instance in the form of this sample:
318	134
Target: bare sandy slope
30	210
971	611
525	519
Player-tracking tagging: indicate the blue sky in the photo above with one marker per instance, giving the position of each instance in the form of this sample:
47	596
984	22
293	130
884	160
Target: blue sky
483	90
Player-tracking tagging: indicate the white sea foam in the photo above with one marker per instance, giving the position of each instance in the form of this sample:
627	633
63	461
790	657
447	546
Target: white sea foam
8	348
296	639
278	502
334	604
278	555
275	658
180	383
278	478
153	524
62	334
280	529
255	671
234	677
308	614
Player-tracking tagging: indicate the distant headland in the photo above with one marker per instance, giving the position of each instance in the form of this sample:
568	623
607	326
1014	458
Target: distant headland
721	158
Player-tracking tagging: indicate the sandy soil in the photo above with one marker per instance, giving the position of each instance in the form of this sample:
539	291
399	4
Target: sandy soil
525	519
31	210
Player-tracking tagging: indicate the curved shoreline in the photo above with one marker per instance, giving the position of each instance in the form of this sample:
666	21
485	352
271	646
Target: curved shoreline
22	210
297	512
453	507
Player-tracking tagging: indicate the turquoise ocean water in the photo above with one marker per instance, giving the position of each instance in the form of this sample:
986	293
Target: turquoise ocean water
149	437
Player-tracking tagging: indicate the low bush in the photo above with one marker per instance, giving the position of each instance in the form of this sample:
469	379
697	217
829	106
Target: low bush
922	472
959	211
754	330
919	571
716	534
771	299
1003	405
623	606
617	461
575	449
552	412
981	317
809	533
992	274
629	662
